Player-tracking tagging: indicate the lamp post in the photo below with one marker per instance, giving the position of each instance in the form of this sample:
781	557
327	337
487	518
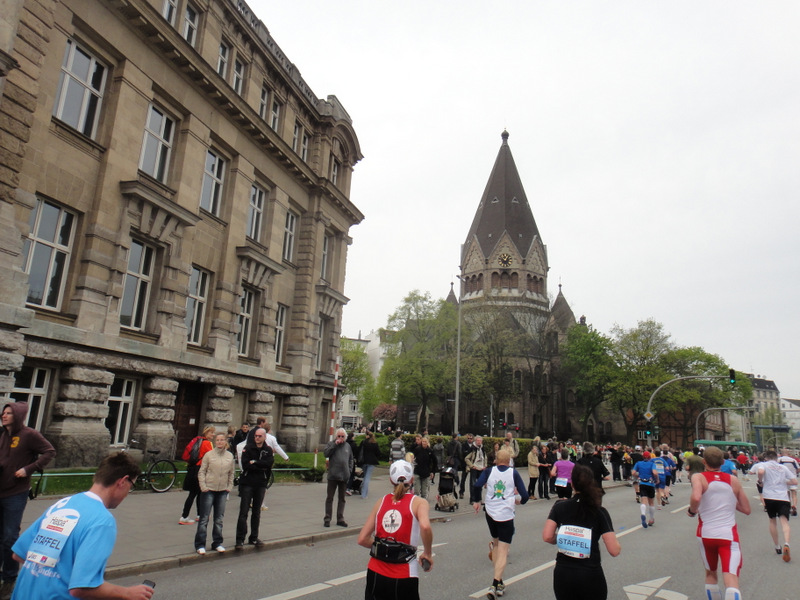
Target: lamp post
458	357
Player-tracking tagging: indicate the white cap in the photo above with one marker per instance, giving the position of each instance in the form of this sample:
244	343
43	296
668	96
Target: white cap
401	470
638	448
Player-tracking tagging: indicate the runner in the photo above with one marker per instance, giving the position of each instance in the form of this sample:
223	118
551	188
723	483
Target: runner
716	497
787	459
776	479
646	473
501	481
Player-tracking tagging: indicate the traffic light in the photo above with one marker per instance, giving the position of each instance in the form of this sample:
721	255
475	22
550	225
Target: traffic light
732	375
648	430
505	425
517	427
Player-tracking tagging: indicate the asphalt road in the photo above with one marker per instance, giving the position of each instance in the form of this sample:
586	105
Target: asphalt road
659	562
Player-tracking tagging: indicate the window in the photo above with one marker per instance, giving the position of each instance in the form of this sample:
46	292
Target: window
353	406
120	408
275	115
46	252
326	255
304	147
322	345
30	385
238	76
169	10
280	333
335	171
211	196
190	24
138	281
222	61
80	90
157	144
288	236
296	135
263	102
245	321
196	304
255	213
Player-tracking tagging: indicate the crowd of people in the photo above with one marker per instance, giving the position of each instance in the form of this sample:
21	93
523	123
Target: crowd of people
570	474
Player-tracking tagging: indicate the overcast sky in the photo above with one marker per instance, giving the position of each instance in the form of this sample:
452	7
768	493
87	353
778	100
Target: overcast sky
658	143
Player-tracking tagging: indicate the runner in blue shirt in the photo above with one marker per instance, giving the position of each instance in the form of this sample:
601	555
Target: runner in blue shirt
645	471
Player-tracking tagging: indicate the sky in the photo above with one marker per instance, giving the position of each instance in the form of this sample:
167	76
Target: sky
658	144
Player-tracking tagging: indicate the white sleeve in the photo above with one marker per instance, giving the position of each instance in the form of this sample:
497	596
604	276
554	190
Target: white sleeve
273	443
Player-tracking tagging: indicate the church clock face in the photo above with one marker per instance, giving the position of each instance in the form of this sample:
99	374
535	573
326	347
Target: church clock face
504	259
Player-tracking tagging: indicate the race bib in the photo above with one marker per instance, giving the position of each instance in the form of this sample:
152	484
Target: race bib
47	545
660	468
561	482
574	541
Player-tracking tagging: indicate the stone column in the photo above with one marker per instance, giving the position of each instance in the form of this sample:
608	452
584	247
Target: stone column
155	431
294	423
78	430
260	404
218	408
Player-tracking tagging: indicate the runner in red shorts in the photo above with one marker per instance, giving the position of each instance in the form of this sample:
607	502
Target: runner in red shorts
715	498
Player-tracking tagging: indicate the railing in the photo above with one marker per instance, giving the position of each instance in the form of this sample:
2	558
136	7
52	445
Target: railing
45	476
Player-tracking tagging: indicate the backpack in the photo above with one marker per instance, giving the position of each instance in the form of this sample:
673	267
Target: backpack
191	454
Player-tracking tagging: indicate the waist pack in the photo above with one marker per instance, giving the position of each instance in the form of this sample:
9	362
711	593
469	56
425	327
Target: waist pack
390	551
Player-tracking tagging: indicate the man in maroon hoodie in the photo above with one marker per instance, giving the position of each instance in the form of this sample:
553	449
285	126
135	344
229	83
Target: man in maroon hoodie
23	450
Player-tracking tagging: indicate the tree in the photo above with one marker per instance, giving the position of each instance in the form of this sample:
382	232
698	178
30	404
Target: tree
588	367
419	362
356	377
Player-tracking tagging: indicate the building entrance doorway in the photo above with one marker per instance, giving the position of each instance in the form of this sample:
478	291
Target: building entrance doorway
188	413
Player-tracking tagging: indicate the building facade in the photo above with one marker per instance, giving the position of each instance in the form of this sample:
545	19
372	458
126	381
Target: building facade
174	223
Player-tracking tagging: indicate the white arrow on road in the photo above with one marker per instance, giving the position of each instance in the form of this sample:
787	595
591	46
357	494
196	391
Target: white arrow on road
645	589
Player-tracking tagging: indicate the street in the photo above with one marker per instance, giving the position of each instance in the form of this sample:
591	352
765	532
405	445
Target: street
659	562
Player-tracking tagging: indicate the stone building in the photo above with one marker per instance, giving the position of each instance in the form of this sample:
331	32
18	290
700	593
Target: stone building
504	267
174	224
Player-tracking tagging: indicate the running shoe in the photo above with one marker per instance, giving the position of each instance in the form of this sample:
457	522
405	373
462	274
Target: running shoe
501	589
644	522
651	523
638	499
794	511
778	551
492	593
787	555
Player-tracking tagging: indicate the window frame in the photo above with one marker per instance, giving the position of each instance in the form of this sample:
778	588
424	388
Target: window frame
246	319
124	413
143	282
163	149
263	102
275	114
34	240
196	303
213	176
281	315
327	247
88	114
223	57
255	212
289	235
35	394
238	76
190	27
169	10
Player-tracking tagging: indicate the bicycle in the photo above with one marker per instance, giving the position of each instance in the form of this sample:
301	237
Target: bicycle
159	475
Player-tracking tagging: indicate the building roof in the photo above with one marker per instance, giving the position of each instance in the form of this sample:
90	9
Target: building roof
561	313
451	297
759	383
504	207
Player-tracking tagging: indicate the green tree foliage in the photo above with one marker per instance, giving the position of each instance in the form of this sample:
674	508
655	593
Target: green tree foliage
588	367
356	376
419	364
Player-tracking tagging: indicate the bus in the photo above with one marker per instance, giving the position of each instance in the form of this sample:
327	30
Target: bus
735	447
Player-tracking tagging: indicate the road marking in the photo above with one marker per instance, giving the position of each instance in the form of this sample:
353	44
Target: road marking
645	589
325	585
519	577
680	509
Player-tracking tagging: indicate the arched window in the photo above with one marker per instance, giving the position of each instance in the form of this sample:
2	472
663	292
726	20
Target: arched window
514	281
504	281
609	434
590	431
495	280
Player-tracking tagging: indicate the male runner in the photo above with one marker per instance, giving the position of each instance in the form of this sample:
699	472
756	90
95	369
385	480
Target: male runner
716	497
645	472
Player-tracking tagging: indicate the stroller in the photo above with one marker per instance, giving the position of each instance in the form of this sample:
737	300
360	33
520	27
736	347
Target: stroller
446	498
356	481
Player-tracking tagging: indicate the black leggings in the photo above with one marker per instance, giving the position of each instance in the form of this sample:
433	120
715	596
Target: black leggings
380	587
579	584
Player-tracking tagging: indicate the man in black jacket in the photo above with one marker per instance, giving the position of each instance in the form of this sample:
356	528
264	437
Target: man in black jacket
257	461
595	463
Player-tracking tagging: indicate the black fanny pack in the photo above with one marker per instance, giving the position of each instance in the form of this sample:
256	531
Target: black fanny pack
390	551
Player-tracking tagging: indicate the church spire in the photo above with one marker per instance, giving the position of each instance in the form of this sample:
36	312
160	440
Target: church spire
503	207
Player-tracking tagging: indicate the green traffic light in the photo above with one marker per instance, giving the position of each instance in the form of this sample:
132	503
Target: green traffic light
732	375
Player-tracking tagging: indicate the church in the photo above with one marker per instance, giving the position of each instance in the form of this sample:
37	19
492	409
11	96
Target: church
512	329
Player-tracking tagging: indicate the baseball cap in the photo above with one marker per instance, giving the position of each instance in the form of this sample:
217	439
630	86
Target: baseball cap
646	455
400	470
638	448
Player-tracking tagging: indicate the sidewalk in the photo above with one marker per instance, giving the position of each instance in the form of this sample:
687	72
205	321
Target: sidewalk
149	537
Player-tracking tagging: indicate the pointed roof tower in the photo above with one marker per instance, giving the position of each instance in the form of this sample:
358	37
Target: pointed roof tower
503	207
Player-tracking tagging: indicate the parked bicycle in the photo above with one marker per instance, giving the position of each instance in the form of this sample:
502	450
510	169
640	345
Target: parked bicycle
160	473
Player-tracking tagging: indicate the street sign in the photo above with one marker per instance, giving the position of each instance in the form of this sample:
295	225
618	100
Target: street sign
648	415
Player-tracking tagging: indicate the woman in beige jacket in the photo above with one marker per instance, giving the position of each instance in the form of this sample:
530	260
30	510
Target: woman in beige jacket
216	480
533	468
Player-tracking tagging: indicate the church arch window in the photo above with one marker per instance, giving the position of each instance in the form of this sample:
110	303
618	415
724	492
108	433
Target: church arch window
495	280
590	430
609	433
505	281
515	281
537	379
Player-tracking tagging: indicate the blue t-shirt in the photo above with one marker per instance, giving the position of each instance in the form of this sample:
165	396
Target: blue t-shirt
647	472
728	467
66	548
